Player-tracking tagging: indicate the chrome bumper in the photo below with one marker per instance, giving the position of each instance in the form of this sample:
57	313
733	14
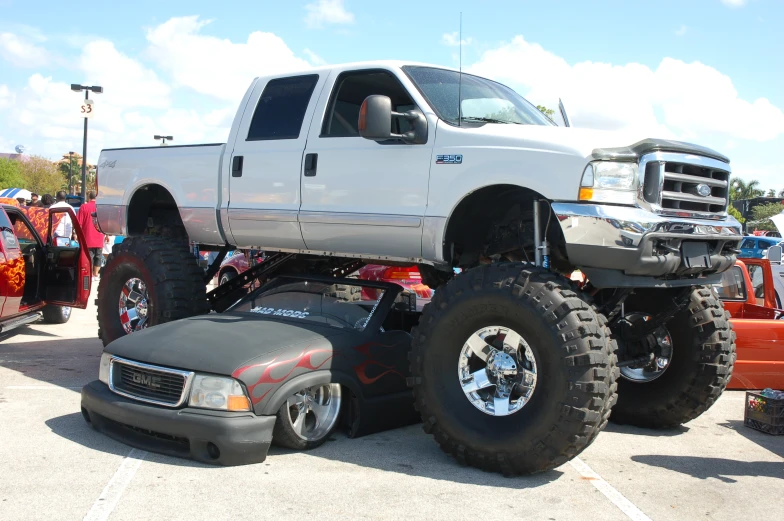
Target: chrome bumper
641	243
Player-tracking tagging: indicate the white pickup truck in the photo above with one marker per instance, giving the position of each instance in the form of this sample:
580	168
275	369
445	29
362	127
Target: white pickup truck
397	163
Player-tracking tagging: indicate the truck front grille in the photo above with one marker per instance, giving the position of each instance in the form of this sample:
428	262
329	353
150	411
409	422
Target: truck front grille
147	383
680	183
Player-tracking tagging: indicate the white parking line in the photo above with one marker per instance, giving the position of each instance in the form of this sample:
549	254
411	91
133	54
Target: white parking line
618	499
40	387
113	491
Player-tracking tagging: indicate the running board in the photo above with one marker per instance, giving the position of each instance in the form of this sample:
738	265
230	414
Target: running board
21	321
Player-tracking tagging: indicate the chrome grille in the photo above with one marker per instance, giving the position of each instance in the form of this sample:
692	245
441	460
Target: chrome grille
682	183
148	383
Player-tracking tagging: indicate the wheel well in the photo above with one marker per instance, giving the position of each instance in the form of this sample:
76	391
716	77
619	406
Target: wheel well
496	220
153	211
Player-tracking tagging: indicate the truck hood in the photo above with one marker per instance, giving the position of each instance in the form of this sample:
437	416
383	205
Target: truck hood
584	142
218	343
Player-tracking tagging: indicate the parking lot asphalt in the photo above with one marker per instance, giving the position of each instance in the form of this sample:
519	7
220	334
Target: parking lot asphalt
53	466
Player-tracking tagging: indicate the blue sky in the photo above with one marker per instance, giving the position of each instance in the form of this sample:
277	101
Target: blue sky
708	71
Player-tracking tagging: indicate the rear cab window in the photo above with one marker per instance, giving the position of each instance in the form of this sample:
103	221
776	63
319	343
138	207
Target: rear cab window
281	108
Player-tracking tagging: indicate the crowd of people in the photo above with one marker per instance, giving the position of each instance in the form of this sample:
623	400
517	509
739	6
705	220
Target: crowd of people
43	202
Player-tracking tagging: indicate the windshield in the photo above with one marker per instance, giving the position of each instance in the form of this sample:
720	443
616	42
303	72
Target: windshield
481	100
336	305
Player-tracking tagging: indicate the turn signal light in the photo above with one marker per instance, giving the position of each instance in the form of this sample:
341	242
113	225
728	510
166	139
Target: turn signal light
238	403
586	194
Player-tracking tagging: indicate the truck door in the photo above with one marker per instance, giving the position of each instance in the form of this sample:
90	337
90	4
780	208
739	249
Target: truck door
361	196
67	270
8	246
264	183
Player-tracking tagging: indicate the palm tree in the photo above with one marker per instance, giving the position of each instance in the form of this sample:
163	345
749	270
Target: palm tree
771	192
781	192
740	189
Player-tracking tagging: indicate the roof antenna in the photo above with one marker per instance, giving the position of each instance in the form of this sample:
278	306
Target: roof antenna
460	77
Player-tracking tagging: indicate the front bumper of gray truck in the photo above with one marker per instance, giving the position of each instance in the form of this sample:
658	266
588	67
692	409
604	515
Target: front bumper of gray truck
623	246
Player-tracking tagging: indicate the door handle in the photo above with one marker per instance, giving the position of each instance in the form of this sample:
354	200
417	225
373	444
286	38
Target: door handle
311	162
236	166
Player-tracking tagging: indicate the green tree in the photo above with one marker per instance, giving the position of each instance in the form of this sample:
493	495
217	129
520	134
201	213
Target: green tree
771	192
41	175
10	174
761	216
75	168
740	189
547	112
781	192
736	214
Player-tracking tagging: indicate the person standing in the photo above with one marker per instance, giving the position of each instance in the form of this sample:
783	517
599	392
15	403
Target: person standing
64	230
92	236
47	200
34	199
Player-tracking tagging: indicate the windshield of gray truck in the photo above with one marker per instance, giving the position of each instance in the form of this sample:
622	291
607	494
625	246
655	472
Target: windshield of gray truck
344	306
481	100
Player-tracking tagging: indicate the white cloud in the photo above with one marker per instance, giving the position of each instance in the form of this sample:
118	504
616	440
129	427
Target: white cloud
322	12
314	58
681	31
677	99
22	53
6	97
453	39
735	3
214	66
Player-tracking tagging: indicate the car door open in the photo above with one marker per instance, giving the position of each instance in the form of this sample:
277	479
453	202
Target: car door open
67	269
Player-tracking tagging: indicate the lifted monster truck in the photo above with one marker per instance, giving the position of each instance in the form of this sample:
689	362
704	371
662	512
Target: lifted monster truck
513	368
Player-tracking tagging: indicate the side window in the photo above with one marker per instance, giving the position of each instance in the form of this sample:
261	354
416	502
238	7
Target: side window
351	89
282	108
757	283
747	244
7	231
732	286
24	233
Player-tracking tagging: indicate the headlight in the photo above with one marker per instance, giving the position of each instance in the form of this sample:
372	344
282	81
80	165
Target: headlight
218	392
609	182
103	370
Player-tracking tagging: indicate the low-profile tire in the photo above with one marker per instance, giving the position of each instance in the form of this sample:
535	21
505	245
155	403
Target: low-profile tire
574	357
159	280
226	276
703	356
308	418
57	314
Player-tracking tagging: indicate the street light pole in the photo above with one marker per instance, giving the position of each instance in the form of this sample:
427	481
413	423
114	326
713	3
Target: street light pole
77	88
84	156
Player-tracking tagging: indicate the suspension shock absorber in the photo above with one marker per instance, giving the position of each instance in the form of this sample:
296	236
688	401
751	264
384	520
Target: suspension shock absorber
542	248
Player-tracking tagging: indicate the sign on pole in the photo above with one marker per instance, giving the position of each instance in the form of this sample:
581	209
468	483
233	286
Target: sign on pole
87	108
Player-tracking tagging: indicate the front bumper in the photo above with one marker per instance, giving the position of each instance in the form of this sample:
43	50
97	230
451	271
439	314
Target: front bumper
216	437
631	242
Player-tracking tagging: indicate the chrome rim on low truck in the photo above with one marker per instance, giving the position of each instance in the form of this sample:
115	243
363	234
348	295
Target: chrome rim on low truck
313	411
497	371
133	305
659	342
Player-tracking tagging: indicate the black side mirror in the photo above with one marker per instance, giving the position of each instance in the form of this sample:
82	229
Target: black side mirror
375	121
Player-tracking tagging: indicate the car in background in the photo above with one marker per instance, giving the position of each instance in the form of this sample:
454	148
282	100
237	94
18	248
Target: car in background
759	330
297	359
408	277
754	247
39	279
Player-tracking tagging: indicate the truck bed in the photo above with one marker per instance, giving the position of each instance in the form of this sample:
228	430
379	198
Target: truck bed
190	173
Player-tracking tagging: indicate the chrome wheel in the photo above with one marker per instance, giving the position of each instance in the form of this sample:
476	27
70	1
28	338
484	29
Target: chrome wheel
659	343
313	412
133	305
66	311
497	370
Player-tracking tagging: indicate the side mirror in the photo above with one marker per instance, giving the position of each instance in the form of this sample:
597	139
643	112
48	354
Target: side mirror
774	254
375	121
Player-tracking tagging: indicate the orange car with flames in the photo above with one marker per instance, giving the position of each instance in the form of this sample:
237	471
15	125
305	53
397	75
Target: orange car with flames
759	327
39	279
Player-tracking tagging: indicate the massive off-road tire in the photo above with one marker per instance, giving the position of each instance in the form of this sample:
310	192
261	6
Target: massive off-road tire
703	355
56	314
147	281
567	347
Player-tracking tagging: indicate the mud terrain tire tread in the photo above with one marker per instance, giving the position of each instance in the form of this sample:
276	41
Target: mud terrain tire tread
711	356
580	349
177	289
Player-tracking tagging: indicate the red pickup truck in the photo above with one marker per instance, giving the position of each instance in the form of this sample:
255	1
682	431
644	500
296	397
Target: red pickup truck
37	278
758	324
